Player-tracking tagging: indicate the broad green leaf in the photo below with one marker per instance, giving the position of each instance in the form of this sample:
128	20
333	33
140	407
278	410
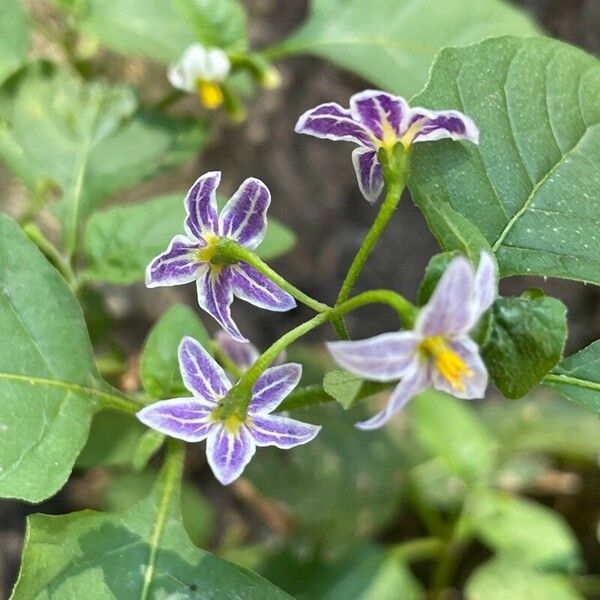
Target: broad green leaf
451	431
578	377
527	339
346	388
14	38
143	552
49	387
162	29
121	241
526	531
365	573
99	143
530	185
505	579
159	365
392	43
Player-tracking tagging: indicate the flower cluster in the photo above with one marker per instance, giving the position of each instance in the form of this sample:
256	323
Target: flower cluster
437	352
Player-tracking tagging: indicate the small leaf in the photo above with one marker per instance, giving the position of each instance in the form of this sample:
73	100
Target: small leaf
527	340
14	38
526	531
392	42
505	579
346	388
433	272
530	183
159	365
451	431
121	241
577	377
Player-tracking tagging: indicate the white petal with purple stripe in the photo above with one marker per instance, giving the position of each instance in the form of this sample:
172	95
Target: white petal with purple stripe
177	265
201	206
253	287
228	453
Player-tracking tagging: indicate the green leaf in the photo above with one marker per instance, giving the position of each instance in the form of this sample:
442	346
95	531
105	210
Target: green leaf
526	531
148	445
99	143
577	377
14	38
162	29
505	579
530	183
346	388
143	552
392	43
466	447
159	365
49	387
527	340
121	241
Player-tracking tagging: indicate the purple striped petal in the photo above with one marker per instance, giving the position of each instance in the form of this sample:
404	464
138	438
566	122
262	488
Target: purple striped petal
177	265
486	285
228	453
283	432
368	173
182	418
476	384
437	125
215	297
332	122
272	387
241	354
201	374
412	384
253	287
244	217
385	357
379	112
201	206
449	311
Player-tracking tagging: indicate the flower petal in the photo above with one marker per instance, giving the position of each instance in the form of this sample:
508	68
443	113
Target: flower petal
215	297
182	418
253	287
475	385
201	206
412	384
449	311
368	173
201	374
283	432
273	386
176	265
437	125
379	112
332	122
198	63
486	285
244	217
385	357
228	453
241	354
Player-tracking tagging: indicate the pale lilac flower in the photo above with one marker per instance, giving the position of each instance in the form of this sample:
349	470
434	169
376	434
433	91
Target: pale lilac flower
201	70
241	354
230	443
378	120
438	352
188	257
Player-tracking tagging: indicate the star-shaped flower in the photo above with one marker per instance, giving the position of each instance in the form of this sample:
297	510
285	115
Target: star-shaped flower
438	352
190	257
230	443
201	70
378	120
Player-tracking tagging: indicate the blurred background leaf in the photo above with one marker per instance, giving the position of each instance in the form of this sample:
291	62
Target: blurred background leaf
14	38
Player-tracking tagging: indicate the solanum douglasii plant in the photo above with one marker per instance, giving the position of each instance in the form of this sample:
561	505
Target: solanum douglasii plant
416	444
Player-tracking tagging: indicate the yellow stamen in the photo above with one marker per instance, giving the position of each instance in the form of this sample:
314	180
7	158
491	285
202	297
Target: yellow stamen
449	364
389	137
207	253
210	93
231	424
407	139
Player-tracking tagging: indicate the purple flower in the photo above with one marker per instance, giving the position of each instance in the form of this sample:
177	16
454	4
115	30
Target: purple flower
378	120
241	354
230	443
189	257
438	352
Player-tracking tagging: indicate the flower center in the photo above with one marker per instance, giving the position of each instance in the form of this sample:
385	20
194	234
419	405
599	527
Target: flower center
407	139
449	364
210	93
207	253
388	137
232	423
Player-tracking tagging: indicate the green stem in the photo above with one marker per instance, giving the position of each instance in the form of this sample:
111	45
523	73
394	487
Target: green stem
576	381
418	549
239	397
